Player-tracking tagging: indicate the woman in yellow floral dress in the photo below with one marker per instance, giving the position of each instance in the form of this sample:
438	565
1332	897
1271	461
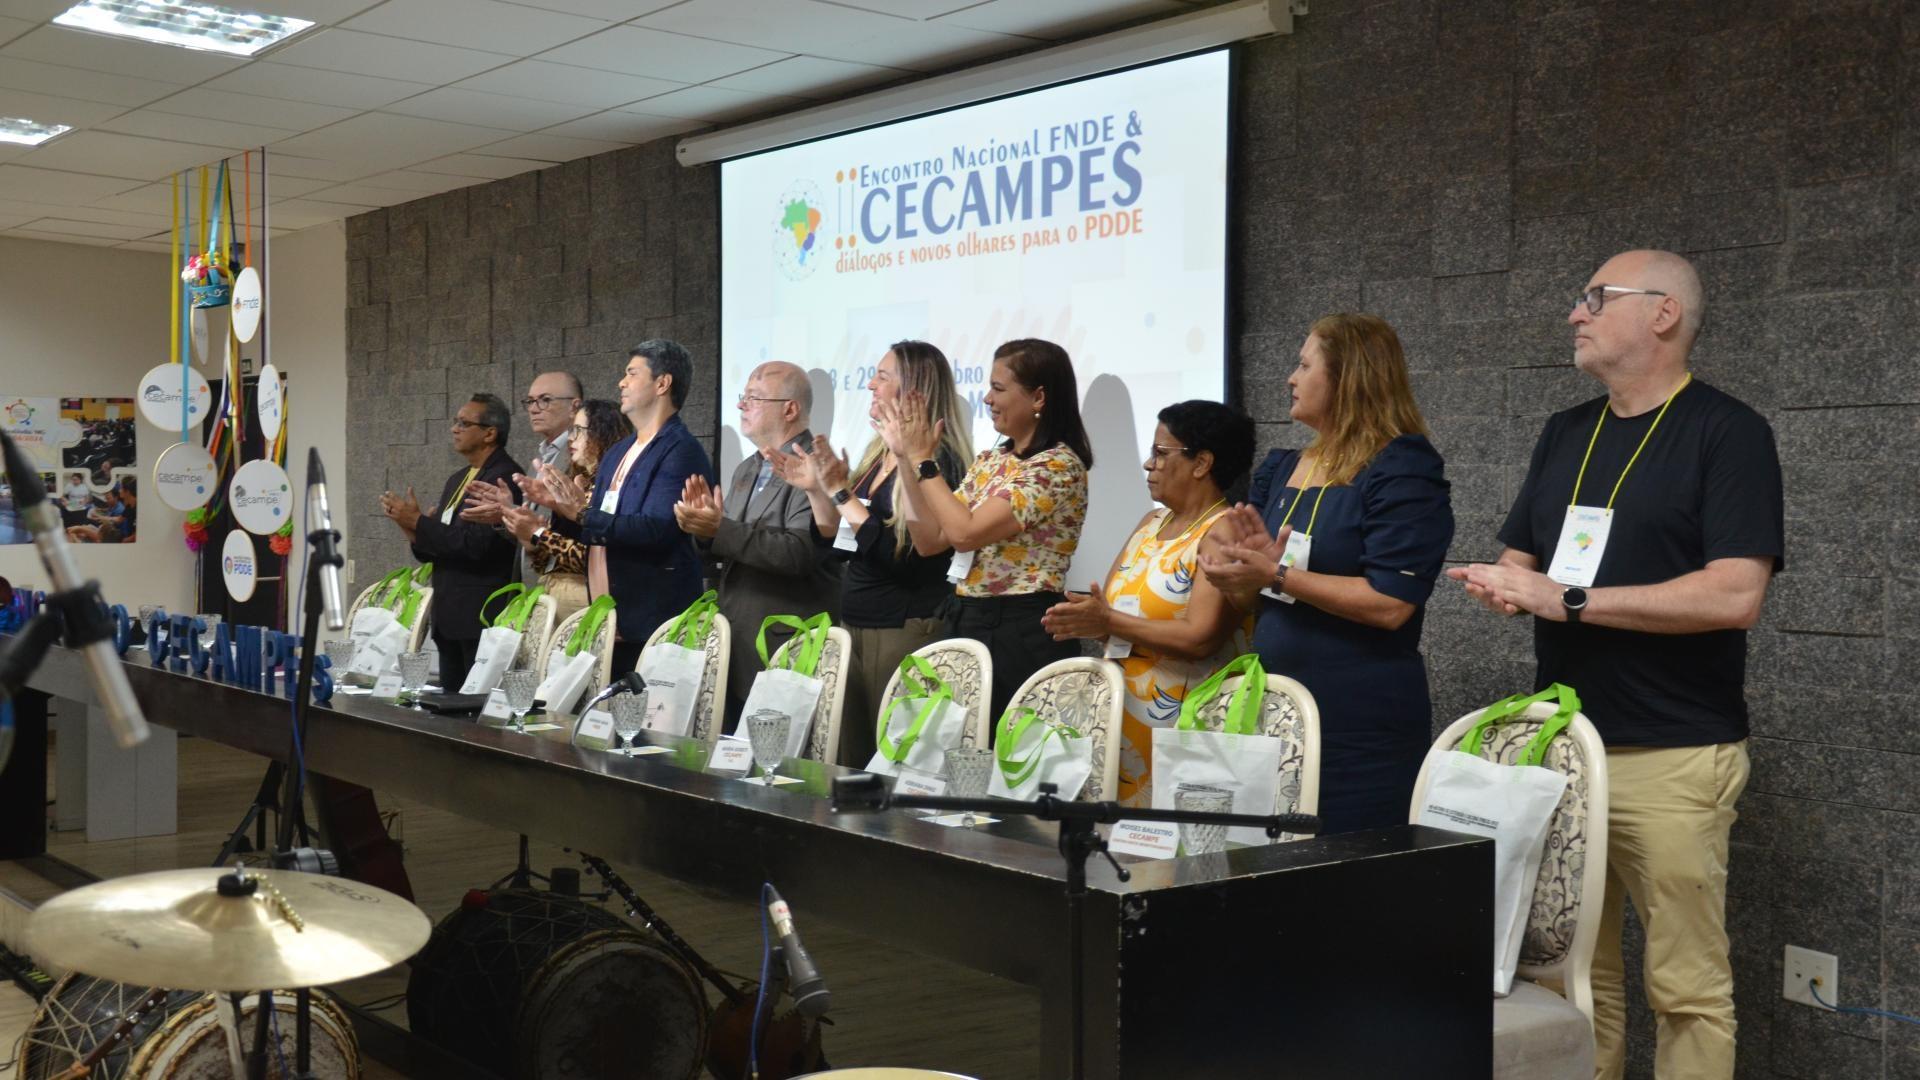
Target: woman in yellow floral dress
1016	521
1168	626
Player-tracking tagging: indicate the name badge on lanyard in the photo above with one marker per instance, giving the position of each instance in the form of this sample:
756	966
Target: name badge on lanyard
960	566
1299	550
610	501
446	516
1583	542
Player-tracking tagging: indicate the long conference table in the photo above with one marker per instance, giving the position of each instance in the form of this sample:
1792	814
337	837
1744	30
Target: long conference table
1352	956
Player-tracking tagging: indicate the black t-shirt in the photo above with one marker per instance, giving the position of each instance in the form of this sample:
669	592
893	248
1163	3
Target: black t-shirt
1706	487
883	588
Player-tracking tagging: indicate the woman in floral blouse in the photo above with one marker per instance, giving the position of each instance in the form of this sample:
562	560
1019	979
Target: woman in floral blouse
1016	521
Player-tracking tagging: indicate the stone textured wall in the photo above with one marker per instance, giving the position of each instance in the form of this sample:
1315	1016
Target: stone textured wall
1459	167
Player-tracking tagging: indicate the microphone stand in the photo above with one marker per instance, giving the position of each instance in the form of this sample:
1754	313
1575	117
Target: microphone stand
865	792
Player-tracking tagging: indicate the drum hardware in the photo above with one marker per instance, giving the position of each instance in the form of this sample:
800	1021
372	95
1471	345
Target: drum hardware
84	1067
154	929
523	875
789	1042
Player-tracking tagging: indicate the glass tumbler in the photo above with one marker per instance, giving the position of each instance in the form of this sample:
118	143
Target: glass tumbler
1203	839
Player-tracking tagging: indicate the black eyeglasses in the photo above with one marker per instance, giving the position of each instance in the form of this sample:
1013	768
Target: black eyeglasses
1596	297
461	423
749	399
544	401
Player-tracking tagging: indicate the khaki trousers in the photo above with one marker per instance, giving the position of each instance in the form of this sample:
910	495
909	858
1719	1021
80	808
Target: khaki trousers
569	592
1669	812
876	656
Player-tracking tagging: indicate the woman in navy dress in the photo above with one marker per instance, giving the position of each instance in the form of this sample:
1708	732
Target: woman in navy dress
1351	533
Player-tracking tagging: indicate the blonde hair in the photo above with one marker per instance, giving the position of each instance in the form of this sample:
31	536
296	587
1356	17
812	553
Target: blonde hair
923	370
1372	402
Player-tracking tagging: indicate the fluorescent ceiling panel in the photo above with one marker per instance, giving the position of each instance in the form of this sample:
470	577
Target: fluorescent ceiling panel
24	132
187	24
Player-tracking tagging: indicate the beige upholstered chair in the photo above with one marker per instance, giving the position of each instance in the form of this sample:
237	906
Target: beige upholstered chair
1538	1034
964	665
823	742
601	646
1085	695
708	714
420	622
538	636
1288	713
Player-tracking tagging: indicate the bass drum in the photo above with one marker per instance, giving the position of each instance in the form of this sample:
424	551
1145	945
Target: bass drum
613	1003
180	1039
470	988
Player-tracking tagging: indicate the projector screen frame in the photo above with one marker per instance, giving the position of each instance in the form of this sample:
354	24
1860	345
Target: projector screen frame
1230	391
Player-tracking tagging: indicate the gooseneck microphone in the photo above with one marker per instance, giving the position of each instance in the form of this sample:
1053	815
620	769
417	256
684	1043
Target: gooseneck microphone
630	683
809	990
326	544
89	627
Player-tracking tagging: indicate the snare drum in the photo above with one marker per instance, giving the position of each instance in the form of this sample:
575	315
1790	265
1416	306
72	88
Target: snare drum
179	1039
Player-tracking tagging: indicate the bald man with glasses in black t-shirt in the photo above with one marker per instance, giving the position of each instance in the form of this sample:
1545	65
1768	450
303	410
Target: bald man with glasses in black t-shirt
1642	542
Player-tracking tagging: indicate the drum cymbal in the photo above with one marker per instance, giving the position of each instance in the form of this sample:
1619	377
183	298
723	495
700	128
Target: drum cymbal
181	929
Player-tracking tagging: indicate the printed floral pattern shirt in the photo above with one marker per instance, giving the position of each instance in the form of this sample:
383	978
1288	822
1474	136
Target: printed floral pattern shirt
1048	494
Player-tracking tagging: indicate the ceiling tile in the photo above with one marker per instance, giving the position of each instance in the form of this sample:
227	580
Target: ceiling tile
145	245
362	195
610	10
247	109
420	183
97	52
551	148
389	142
104	153
838	33
809	77
476	24
316	168
480	166
57	188
81	84
624	127
1057	18
496	110
35	11
636	50
13	28
386	57
62	238
89	228
47	109
161	125
572	85
150	199
914	9
712	103
292	83
325	12
301	214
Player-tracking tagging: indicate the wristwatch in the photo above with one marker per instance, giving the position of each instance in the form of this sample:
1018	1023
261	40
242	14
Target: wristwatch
842	497
1575	601
929	469
1278	584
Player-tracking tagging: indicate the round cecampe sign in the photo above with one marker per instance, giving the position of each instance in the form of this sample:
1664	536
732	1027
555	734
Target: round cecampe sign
268	403
185	476
238	568
246	304
159	396
261	498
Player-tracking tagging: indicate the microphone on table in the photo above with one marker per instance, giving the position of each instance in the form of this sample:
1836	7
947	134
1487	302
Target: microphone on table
630	683
89	627
808	989
326	553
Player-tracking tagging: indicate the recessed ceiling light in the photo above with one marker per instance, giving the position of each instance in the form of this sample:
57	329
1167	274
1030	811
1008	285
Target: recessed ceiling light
184	23
29	132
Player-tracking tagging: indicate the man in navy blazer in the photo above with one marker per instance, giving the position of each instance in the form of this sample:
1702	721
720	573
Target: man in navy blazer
636	551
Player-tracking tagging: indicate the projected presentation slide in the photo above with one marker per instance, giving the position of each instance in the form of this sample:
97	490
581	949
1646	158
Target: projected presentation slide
1092	214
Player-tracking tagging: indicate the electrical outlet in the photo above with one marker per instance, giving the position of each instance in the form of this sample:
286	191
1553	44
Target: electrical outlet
1804	965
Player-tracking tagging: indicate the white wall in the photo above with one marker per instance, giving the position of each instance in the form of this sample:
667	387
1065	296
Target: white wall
89	321
308	343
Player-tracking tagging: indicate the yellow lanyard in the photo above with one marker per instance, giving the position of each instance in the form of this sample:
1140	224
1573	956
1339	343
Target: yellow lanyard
1604	409
462	490
1194	524
1313	517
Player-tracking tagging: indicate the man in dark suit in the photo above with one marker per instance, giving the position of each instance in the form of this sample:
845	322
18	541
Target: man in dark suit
469	560
636	553
769	558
